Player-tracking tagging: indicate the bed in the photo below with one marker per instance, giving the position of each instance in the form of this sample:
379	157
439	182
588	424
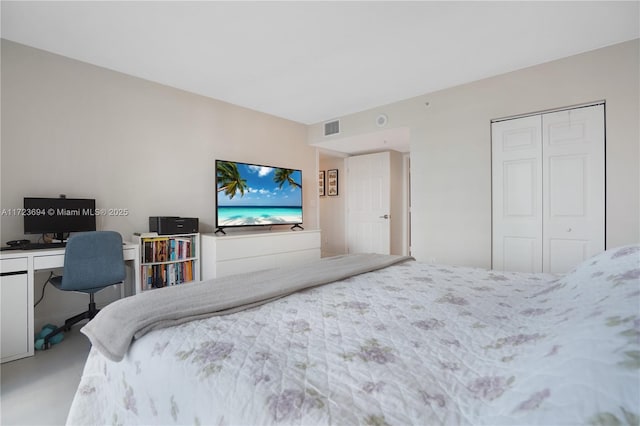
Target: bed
406	344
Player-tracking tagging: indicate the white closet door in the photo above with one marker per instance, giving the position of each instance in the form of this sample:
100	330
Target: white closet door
368	203
573	187
517	194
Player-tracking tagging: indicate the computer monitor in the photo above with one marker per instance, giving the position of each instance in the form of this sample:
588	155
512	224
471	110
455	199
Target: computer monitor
59	216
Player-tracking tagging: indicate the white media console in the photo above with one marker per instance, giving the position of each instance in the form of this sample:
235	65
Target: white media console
232	254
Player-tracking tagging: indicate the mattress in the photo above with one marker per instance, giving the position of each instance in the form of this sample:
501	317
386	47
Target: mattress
412	343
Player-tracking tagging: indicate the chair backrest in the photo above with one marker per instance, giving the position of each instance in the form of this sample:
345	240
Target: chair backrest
93	260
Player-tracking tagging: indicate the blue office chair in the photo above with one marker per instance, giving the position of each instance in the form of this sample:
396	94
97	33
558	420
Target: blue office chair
92	261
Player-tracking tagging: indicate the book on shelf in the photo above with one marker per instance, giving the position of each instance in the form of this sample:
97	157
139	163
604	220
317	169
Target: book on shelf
165	249
168	274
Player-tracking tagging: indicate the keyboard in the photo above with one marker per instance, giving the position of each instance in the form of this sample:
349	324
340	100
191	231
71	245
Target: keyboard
35	246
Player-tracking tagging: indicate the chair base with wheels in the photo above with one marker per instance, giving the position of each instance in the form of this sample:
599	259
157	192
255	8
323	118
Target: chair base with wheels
70	322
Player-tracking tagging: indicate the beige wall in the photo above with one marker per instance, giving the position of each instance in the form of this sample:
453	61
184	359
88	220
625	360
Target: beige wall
398	204
333	210
451	147
84	131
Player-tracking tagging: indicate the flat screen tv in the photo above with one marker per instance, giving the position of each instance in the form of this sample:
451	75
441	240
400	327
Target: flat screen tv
257	195
59	215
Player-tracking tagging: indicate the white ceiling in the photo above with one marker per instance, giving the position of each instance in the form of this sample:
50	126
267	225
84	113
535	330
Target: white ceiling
314	61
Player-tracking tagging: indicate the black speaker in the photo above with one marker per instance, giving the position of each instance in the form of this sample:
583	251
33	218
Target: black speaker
165	225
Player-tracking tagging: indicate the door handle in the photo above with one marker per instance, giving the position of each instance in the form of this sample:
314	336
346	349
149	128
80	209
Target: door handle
386	216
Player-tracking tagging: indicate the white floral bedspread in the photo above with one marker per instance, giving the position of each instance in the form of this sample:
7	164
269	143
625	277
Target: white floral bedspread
411	344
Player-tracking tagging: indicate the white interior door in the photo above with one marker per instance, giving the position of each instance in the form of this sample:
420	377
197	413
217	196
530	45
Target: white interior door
573	187
517	194
368	203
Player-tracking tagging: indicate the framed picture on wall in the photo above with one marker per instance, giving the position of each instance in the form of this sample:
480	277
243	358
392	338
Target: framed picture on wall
332	182
321	183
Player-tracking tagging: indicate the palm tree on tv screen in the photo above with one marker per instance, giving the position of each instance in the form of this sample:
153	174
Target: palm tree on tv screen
229	179
284	175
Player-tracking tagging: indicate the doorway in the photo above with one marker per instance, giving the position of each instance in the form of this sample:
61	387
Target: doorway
334	154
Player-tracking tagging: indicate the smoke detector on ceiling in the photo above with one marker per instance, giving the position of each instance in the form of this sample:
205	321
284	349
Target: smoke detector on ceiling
381	120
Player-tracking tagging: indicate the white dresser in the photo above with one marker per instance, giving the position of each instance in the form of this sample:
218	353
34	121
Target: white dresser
232	254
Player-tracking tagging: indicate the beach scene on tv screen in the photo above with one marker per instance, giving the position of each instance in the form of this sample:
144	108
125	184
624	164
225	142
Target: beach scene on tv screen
257	195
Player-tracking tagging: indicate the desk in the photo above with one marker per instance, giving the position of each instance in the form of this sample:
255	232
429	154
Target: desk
16	293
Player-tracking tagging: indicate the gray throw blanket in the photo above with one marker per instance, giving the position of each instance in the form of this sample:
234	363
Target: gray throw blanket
116	325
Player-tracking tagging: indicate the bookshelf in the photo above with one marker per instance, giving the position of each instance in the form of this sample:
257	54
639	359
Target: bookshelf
167	260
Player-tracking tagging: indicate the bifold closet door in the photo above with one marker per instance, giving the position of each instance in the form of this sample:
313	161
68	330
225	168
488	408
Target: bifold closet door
548	183
517	194
573	187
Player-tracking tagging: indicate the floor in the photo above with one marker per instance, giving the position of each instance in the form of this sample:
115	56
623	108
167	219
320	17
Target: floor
38	390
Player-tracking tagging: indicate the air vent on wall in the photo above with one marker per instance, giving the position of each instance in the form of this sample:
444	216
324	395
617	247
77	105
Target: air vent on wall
332	128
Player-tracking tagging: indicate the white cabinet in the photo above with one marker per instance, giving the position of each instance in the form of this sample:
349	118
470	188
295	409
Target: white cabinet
16	304
233	254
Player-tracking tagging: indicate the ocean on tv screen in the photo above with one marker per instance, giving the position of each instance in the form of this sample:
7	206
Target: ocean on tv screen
257	195
238	216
